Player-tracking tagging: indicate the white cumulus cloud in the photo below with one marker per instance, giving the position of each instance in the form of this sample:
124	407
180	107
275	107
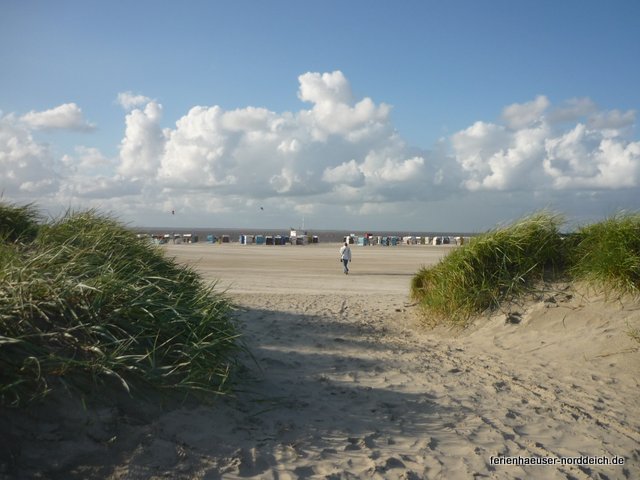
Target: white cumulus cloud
337	156
142	147
63	117
129	100
197	149
534	153
614	119
348	173
401	171
322	88
259	153
521	115
334	112
26	166
583	158
572	110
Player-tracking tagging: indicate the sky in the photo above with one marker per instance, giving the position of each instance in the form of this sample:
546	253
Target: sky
372	115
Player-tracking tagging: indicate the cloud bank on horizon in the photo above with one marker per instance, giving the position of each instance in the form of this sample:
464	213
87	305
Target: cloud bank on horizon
339	158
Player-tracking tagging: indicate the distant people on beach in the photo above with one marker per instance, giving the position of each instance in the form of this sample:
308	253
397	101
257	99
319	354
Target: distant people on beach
345	257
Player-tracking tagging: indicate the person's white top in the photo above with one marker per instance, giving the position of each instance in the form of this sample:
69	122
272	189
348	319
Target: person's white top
345	253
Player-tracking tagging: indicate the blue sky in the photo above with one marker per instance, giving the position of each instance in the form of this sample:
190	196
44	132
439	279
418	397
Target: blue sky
452	115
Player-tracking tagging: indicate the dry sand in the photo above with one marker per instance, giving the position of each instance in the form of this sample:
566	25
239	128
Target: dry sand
346	384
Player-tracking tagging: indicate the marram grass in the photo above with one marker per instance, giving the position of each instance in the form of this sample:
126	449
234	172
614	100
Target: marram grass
87	302
18	223
493	268
503	264
606	255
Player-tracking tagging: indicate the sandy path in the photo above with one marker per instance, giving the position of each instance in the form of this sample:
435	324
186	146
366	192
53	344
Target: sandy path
345	385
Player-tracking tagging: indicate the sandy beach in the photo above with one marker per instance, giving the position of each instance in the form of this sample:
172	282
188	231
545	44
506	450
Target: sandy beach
343	382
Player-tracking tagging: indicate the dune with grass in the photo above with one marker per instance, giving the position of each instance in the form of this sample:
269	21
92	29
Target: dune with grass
357	376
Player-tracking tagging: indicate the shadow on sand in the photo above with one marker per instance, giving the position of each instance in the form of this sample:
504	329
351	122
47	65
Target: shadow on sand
314	388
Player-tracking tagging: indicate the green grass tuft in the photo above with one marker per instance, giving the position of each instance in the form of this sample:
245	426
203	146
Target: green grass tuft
606	255
18	223
504	264
491	269
88	302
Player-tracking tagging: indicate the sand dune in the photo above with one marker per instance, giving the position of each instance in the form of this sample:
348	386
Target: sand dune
345	384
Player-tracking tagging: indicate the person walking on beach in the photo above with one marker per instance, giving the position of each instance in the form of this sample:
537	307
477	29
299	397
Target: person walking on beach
345	256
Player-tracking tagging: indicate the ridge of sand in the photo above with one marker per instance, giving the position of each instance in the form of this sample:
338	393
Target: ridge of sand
345	384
